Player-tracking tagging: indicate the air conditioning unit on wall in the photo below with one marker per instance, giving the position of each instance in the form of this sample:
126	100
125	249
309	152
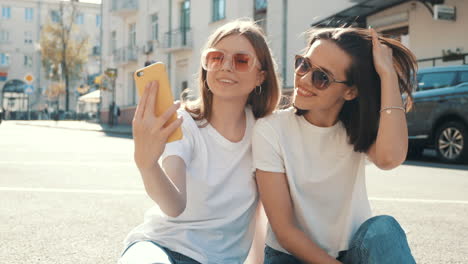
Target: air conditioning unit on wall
444	12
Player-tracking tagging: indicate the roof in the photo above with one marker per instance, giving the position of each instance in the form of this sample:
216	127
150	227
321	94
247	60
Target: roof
358	13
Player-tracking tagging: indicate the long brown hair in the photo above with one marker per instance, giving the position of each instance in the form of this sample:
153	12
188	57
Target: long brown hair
361	115
262	104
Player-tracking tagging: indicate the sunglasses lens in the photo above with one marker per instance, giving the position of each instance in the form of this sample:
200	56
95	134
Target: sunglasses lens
301	66
242	62
320	79
213	60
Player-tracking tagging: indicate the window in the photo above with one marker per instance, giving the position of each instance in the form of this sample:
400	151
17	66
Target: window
4	59
6	12
113	41
185	15
96	50
28	61
464	77
28	39
260	5
55	16
4	36
132	35
131	93
434	80
184	22
219	10
98	20
154	27
260	14
79	19
28	14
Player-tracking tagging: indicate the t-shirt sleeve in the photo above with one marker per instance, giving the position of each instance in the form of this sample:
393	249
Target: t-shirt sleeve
182	148
266	148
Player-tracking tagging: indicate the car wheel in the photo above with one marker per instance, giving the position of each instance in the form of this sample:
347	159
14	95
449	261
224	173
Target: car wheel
451	142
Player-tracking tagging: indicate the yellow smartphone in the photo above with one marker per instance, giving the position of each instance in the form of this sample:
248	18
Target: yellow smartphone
164	100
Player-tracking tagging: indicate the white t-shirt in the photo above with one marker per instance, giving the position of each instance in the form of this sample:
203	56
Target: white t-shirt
217	225
325	176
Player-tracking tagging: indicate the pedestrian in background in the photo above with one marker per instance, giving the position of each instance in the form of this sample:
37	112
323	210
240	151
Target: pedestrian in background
310	158
204	183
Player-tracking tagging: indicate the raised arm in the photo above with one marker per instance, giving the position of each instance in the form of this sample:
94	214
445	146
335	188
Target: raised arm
391	145
274	194
166	187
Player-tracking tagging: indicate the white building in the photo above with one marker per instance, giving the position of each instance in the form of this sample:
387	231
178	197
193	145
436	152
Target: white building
174	32
21	22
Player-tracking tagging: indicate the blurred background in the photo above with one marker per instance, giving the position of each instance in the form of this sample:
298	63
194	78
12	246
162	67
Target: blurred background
71	194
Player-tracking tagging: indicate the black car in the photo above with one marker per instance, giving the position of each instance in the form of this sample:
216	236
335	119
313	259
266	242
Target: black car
439	117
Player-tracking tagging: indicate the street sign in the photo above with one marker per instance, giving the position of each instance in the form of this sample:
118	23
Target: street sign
28	89
29	78
3	76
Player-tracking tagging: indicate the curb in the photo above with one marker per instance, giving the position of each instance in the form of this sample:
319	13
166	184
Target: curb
80	129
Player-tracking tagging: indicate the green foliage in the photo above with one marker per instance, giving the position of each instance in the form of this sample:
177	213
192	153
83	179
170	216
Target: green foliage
64	47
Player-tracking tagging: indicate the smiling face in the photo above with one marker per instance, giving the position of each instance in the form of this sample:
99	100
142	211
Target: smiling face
325	55
226	82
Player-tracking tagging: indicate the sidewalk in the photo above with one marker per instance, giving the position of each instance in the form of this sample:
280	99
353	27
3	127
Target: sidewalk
78	125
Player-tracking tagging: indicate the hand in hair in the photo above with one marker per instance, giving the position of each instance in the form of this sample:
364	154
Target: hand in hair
382	56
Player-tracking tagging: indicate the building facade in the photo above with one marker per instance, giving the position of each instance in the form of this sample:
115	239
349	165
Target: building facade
21	22
174	32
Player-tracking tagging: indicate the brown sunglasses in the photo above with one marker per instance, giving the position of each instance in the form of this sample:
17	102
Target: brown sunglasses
320	78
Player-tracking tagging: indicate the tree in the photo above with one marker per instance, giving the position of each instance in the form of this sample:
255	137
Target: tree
64	49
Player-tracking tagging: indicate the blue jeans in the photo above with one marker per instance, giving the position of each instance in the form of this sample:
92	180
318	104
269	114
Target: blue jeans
378	240
149	252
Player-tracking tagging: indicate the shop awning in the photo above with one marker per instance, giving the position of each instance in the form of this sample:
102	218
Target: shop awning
358	13
92	97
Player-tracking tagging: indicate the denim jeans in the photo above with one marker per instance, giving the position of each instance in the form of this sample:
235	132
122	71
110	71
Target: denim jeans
378	240
149	252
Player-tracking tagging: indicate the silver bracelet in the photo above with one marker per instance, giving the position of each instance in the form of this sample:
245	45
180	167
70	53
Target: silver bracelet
389	109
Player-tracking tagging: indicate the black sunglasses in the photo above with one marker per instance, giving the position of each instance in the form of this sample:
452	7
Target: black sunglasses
320	78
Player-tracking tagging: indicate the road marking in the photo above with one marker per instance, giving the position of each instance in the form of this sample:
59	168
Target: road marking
58	190
77	163
417	200
120	192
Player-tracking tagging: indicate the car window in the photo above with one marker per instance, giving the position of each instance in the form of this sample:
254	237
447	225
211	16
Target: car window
435	80
464	77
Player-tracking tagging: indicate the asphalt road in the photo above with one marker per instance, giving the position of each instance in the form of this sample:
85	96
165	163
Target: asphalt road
70	196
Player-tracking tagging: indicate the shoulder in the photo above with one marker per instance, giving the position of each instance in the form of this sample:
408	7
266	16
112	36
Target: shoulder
275	123
278	118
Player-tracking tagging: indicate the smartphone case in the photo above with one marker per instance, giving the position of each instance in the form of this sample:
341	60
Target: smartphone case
164	99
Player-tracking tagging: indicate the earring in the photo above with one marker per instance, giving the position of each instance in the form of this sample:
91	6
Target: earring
258	92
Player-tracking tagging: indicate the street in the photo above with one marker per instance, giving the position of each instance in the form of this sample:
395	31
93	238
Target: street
71	196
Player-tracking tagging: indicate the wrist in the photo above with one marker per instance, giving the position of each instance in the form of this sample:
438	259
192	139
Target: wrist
146	166
388	76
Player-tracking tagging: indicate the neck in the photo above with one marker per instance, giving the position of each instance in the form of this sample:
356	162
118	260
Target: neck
228	118
323	117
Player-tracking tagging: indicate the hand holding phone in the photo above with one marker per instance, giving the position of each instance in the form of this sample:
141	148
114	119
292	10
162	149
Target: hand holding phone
164	98
154	125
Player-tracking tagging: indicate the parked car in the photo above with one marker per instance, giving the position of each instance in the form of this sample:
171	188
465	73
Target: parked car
439	117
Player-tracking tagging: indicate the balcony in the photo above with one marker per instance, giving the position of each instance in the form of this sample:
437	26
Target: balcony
177	40
124	8
125	55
